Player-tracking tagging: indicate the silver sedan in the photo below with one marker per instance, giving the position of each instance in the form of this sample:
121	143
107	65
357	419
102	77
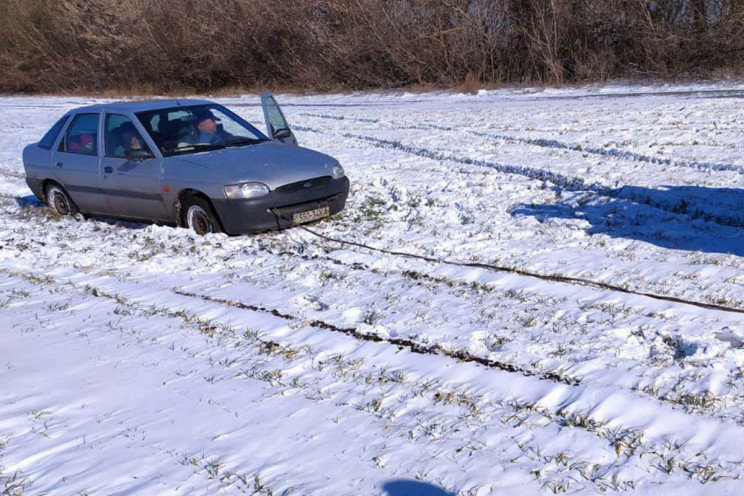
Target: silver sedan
192	163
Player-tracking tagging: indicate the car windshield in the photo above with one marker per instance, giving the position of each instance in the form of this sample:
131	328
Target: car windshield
179	130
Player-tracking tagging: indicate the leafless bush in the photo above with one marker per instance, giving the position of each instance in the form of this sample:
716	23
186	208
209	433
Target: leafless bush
187	45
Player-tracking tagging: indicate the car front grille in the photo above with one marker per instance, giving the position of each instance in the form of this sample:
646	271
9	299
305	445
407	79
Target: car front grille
302	185
299	207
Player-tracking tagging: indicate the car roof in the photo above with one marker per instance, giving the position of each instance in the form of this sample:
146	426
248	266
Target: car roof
142	105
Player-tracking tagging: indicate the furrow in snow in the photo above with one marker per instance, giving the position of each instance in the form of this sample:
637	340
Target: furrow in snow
555	144
695	446
522	363
515	417
651	197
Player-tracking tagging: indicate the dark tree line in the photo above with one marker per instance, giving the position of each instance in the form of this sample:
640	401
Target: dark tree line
197	45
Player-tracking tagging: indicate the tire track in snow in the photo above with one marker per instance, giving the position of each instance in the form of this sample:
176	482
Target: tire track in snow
556	277
605	152
268	347
561	145
416	275
411	345
571	419
401	343
564	415
292	358
561	181
458	354
510	418
510	270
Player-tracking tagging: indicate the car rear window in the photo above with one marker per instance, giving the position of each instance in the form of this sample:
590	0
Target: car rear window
47	142
82	135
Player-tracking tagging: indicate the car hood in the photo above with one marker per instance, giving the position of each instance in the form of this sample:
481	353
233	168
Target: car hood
272	163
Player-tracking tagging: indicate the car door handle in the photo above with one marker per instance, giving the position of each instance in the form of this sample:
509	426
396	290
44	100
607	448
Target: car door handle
59	164
108	170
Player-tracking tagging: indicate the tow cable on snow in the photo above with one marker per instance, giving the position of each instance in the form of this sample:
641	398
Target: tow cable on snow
522	272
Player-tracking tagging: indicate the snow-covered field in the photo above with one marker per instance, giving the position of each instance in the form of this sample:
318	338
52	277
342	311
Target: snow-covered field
576	327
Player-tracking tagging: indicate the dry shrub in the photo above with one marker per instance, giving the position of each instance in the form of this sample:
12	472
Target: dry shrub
470	85
165	46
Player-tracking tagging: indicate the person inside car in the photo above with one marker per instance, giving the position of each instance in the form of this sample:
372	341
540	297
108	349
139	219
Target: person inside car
87	144
129	139
73	146
209	132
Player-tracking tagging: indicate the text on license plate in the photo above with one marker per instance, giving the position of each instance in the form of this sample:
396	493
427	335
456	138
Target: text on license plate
311	215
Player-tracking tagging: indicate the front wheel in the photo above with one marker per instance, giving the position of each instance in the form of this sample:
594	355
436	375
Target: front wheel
59	201
199	217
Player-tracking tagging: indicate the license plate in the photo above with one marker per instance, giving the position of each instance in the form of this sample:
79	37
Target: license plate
311	215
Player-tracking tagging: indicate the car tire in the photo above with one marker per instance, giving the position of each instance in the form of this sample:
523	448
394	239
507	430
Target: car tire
59	201
197	215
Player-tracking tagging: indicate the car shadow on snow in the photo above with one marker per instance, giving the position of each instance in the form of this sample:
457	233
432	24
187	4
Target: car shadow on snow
29	201
403	487
690	218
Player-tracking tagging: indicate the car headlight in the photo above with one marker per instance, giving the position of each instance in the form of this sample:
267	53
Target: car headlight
338	171
246	190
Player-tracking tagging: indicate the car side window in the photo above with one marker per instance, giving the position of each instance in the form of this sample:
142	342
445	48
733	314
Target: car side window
82	135
51	136
121	137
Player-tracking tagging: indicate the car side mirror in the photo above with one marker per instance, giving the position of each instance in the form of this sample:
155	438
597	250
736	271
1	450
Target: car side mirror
282	133
139	154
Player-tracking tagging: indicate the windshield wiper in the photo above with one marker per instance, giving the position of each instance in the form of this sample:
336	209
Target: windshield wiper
197	146
242	142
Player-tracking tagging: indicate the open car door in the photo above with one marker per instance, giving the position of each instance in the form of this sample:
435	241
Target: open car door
276	125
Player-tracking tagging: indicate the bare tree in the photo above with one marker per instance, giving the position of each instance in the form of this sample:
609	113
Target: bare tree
187	45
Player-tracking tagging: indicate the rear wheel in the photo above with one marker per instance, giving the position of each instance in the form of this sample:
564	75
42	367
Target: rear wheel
59	201
198	216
